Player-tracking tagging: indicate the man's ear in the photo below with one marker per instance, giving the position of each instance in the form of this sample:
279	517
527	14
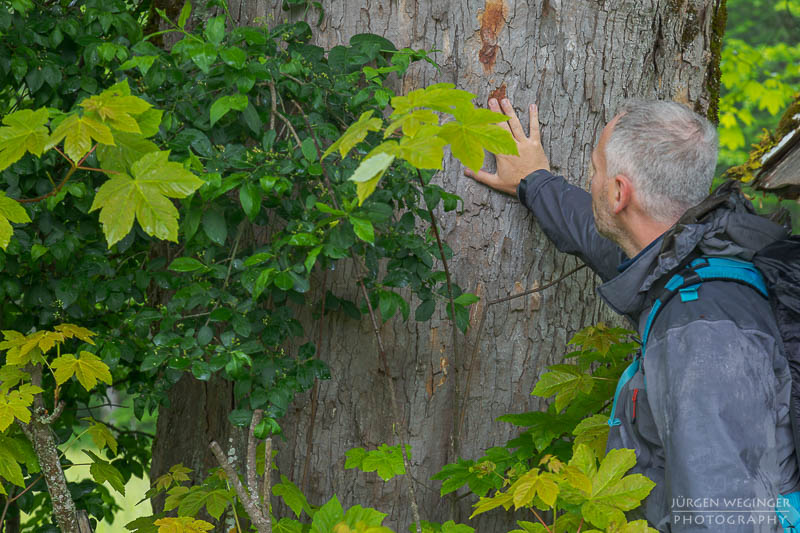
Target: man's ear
623	193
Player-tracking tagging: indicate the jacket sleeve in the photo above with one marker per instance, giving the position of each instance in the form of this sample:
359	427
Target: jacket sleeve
712	390
564	213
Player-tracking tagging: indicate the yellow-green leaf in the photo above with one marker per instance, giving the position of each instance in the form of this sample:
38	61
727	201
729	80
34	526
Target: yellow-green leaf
88	368
103	471
369	173
425	150
19	346
468	141
10	211
116	107
412	122
504	499
71	330
102	437
593	431
24	131
78	133
354	134
9	467
13	405
129	148
182	524
145	196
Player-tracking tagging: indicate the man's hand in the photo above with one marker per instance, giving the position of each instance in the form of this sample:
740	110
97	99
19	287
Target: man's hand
512	169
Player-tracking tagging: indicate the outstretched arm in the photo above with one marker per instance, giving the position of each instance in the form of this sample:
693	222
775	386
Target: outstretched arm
563	210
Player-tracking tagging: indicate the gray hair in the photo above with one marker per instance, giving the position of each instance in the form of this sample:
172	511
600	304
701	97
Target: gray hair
668	151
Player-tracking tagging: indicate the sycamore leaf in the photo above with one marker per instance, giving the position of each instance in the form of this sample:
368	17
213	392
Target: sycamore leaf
145	195
174	497
13	405
116	107
11	376
129	148
583	459
24	131
78	133
102	471
386	460
10	211
182	524
71	330
102	437
467	141
327	516
369	173
505	499
441	97
20	347
412	122
9	467
292	496
593	432
565	381
354	134
425	149
88	368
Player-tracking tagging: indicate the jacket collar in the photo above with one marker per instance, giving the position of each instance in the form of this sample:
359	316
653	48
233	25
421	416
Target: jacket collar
724	224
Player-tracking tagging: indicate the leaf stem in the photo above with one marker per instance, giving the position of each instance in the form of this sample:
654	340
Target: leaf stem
539	518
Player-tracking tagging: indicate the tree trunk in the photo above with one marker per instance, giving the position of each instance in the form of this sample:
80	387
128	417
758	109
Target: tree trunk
578	60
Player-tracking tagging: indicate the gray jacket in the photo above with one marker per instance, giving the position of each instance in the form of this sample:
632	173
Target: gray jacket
711	426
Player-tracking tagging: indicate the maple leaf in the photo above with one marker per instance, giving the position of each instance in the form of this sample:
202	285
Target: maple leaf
182	524
13	405
354	134
116	106
79	132
102	437
88	368
20	347
145	196
10	211
24	131
71	330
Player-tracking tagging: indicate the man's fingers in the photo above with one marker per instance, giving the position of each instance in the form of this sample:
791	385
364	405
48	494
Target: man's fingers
494	106
482	176
513	120
535	135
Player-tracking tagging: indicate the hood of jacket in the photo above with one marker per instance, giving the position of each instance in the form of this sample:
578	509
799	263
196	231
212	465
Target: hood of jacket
724	224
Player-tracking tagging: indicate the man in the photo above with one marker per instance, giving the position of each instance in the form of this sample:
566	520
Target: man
710	423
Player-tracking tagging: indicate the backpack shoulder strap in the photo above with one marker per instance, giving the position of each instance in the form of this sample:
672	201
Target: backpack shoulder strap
686	283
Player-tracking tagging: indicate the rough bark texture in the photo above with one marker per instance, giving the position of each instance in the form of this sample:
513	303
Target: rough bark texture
578	60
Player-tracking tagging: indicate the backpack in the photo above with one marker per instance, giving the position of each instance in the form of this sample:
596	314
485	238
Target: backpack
774	273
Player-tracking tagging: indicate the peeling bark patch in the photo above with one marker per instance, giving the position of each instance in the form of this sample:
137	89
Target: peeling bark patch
491	19
498	93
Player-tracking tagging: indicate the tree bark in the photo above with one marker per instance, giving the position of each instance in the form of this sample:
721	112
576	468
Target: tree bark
578	60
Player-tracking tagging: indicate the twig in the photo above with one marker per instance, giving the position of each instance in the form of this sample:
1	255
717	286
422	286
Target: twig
274	106
55	191
476	344
266	487
399	428
540	520
291	128
248	502
252	480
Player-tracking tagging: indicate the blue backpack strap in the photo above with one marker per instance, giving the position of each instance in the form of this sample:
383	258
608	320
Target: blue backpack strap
686	283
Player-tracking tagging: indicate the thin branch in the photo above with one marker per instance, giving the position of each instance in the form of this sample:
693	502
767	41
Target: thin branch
476	343
252	481
266	487
274	105
291	128
55	191
248	502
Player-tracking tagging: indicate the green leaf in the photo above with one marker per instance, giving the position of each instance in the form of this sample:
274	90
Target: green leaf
386	460
215	227
309	149
215	29
24	131
233	57
87	367
311	258
145	195
565	381
10	211
186	264
193	501
102	471
79	133
292	496
363	229
224	104
369	172
204	56
182	524
250	198
128	148
466	299
593	432
116	107
467	141
425	150
216	503
612	468
354	134
425	310
143	63
327	516
9	466
102	437
184	16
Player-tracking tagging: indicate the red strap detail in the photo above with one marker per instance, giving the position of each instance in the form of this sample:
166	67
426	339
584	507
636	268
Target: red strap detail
635	393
